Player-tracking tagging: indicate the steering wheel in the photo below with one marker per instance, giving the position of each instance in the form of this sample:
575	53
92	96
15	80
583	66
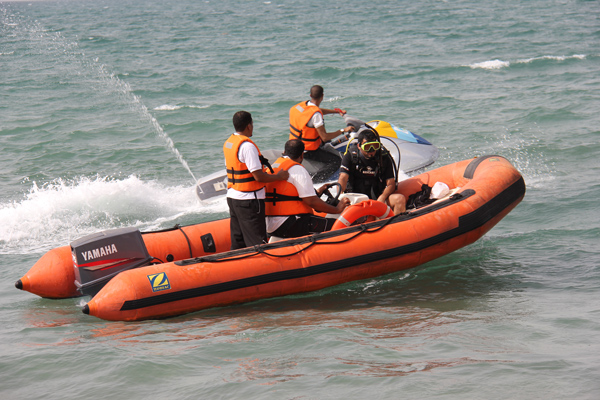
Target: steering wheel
331	199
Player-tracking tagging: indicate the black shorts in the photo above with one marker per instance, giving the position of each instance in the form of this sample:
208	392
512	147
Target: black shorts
302	225
247	223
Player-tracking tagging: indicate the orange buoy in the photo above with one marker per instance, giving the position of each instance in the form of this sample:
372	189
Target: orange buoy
365	208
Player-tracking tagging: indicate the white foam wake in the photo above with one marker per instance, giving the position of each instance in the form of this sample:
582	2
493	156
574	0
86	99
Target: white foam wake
169	107
499	64
58	212
555	58
491	64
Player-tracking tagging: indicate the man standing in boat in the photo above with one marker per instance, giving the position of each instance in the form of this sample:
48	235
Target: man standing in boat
307	124
246	179
367	167
290	204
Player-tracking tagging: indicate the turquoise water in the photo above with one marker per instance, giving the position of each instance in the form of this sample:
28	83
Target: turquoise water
109	112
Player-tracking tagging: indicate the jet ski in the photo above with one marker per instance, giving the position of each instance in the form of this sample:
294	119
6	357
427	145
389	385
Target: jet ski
410	152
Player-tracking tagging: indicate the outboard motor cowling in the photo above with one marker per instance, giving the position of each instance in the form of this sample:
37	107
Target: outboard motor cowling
100	256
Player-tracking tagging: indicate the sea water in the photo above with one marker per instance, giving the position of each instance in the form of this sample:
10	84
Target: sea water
110	111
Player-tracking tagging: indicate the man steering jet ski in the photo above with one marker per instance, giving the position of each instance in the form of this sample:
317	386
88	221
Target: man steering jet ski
307	125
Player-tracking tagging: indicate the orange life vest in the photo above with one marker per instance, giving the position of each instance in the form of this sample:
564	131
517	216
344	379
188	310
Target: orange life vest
300	115
238	176
282	197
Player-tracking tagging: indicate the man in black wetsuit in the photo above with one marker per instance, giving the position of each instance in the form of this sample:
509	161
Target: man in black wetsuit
367	167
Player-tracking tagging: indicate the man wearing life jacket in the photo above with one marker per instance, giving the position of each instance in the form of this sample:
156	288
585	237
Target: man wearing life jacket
246	181
307	124
290	204
368	168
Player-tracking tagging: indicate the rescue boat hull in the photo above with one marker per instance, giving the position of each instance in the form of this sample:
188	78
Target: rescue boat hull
488	188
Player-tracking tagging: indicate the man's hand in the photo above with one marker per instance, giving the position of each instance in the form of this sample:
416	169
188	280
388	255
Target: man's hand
345	202
262	176
323	188
282	175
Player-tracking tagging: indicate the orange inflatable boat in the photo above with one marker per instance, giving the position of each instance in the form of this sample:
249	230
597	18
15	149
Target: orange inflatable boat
103	255
482	191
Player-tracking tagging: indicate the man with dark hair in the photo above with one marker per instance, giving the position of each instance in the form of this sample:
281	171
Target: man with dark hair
307	124
290	204
246	179
367	167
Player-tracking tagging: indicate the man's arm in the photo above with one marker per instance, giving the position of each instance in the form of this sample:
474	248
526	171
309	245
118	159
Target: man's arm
388	175
389	189
327	136
262	176
248	154
343	180
302	181
326	111
319	205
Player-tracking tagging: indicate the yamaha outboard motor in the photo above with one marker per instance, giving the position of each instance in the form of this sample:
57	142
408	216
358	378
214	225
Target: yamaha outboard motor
100	256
